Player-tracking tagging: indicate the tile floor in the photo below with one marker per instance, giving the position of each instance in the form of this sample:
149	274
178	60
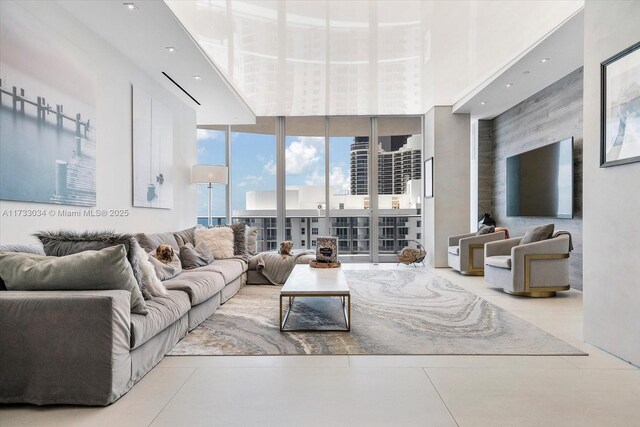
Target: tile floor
594	390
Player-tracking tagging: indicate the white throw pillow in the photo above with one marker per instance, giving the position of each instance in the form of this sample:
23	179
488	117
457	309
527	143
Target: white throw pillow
219	240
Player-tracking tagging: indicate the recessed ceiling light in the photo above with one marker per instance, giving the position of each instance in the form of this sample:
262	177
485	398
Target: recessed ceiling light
509	84
130	6
526	72
543	60
170	48
197	77
483	103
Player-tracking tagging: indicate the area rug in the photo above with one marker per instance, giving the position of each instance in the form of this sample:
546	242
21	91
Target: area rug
396	312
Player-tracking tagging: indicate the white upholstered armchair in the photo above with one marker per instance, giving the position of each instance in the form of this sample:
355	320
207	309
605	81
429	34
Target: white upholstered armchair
466	251
538	269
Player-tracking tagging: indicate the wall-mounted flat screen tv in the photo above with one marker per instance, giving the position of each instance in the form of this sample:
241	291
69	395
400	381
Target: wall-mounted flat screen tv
540	181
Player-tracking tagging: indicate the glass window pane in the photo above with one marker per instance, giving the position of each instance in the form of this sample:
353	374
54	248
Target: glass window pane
211	151
253	197
399	182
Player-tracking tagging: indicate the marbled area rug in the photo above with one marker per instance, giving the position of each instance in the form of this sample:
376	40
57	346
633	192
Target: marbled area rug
392	312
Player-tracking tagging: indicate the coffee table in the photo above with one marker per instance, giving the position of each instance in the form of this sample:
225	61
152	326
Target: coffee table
306	281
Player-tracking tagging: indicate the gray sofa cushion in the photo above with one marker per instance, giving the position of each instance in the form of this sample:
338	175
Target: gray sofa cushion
150	242
198	256
185	236
454	250
230	269
501	261
166	271
162	312
537	234
199	285
88	270
251	234
485	229
61	243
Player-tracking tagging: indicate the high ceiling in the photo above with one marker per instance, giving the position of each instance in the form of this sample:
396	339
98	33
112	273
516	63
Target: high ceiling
324	57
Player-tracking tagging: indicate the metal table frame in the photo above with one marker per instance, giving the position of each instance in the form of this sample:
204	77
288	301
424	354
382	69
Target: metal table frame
345	300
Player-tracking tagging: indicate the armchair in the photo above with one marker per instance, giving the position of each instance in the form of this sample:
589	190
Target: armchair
538	269
466	251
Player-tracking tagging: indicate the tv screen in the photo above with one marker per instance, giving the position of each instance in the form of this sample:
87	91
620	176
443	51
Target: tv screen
540	181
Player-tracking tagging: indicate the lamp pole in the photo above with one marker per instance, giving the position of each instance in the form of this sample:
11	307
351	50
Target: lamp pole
209	221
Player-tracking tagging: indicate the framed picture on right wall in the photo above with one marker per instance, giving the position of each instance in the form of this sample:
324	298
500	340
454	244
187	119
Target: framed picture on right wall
620	110
428	178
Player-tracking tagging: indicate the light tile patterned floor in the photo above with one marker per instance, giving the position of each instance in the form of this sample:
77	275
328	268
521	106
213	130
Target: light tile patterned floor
594	390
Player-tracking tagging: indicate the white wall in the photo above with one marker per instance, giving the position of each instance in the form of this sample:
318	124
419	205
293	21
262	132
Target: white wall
114	76
611	204
447	213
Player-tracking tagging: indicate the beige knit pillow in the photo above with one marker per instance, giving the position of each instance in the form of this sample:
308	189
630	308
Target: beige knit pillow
219	240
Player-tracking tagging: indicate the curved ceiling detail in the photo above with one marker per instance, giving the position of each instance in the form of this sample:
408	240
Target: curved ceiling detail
322	57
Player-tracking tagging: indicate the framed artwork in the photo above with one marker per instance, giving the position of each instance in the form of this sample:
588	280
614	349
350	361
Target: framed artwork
152	152
428	178
620	109
47	113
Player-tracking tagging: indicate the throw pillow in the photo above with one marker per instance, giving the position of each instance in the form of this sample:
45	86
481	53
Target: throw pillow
193	257
27	249
185	236
61	243
105	269
485	229
252	240
239	238
536	234
165	271
149	242
219	240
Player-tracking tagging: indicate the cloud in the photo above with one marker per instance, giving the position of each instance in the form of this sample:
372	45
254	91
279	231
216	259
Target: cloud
250	180
339	181
270	167
206	134
303	154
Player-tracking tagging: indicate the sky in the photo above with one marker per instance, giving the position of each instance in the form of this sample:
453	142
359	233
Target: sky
253	159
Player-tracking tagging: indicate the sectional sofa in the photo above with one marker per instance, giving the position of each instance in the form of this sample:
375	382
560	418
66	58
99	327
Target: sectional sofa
87	348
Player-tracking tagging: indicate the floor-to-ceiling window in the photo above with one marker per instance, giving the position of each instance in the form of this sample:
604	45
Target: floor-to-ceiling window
211	151
399	182
305	180
349	202
253	179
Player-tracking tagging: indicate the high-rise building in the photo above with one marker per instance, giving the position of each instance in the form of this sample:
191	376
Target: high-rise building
398	162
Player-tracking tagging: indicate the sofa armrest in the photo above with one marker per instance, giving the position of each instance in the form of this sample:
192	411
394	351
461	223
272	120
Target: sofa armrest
500	247
481	239
455	240
64	347
556	245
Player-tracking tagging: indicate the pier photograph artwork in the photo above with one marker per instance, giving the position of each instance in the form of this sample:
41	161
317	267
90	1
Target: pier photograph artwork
152	152
47	114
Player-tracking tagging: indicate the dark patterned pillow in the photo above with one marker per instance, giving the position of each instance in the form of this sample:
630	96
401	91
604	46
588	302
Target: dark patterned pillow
239	238
537	234
198	256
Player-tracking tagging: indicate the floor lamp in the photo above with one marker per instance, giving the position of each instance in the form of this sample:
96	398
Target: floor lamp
209	174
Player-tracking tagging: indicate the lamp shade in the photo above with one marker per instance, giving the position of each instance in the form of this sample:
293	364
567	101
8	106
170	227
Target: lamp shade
209	174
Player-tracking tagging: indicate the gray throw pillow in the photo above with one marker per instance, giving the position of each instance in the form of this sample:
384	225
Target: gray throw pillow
239	238
105	269
185	236
252	240
166	271
193	257
63	242
149	242
26	249
485	229
537	234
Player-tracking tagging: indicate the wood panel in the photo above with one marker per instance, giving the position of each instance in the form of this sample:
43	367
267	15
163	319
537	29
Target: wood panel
553	114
